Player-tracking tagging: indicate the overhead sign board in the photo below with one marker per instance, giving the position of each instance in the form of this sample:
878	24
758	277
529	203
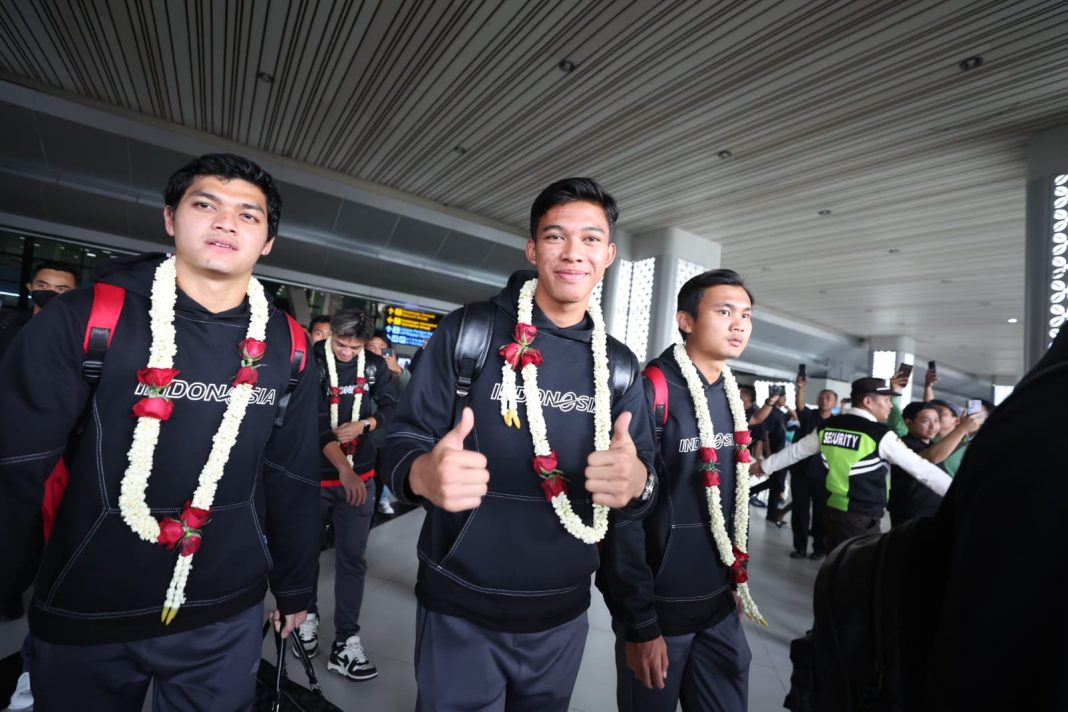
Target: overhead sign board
410	327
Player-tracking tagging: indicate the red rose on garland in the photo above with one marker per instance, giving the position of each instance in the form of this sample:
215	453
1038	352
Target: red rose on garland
251	349
553	485
185	532
159	408
525	333
335	395
744	456
246	374
157	377
742	437
711	478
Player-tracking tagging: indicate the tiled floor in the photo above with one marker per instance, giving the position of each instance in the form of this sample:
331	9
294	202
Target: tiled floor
781	586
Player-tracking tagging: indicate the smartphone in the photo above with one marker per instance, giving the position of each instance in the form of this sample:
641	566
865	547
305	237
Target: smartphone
801	370
776	390
386	353
905	369
931	366
974	406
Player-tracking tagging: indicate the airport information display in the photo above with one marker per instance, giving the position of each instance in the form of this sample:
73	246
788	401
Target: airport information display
409	326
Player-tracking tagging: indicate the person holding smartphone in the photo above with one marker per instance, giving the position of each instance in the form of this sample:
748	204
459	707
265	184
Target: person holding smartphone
381	345
808	475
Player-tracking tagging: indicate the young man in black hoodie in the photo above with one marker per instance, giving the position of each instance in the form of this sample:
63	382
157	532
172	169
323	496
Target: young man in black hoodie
503	587
671	594
348	469
204	368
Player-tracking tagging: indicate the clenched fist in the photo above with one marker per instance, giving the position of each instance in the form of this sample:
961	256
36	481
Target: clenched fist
449	476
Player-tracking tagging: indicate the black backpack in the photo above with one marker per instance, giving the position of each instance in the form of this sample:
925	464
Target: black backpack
876	604
473	346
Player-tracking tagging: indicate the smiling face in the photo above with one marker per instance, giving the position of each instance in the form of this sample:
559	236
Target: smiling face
219	227
723	324
571	250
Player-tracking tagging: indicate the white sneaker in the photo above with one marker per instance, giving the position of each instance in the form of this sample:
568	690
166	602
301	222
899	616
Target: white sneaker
387	494
384	506
308	635
350	660
22	699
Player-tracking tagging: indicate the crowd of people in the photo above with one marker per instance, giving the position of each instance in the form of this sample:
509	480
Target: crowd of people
203	424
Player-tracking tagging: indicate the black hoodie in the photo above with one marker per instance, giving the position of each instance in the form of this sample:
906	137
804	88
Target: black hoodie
509	564
663	575
98	582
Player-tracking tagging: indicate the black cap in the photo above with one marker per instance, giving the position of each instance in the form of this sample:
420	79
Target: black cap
879	386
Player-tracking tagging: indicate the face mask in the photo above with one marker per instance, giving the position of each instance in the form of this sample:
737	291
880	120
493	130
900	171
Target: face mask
41	297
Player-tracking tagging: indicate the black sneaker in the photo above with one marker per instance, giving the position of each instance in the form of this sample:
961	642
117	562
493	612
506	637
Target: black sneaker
348	658
308	635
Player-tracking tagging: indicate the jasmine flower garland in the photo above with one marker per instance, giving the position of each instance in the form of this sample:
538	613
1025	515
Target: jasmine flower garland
157	407
732	555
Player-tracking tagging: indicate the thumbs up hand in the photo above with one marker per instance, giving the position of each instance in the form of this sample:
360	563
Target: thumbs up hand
449	476
616	476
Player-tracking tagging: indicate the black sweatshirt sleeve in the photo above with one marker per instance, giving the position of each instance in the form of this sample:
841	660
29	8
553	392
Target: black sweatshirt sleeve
643	433
425	411
42	397
326	433
291	479
625	577
385	393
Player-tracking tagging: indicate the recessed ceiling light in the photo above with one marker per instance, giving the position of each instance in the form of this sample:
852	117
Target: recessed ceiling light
90	254
459	150
765	269
265	77
893	251
944	281
1013	320
566	66
970	63
724	154
825	212
984	304
823	291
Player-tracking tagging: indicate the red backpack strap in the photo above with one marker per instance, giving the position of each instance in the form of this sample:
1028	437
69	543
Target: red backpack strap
99	330
660	397
298	351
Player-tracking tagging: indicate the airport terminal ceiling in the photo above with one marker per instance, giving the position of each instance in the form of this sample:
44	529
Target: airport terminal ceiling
862	164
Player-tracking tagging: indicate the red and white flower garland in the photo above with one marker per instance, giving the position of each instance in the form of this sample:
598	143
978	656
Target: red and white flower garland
349	448
184	532
732	555
521	356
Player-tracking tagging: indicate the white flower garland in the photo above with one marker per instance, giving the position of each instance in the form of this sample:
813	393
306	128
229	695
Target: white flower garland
712	493
357	395
132	505
602	414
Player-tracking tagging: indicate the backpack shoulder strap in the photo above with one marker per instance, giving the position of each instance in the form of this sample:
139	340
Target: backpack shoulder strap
622	368
660	398
298	357
472	347
99	330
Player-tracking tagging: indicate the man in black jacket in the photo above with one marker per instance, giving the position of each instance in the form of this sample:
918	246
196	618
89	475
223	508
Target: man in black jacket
347	471
671	596
49	280
100	638
503	587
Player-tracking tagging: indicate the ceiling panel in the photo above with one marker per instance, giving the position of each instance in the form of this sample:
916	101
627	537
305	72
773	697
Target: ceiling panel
857	108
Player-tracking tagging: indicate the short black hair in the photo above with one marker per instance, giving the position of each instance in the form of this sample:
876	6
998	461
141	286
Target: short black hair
382	335
321	319
573	190
226	166
352	324
56	267
693	291
913	409
750	390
